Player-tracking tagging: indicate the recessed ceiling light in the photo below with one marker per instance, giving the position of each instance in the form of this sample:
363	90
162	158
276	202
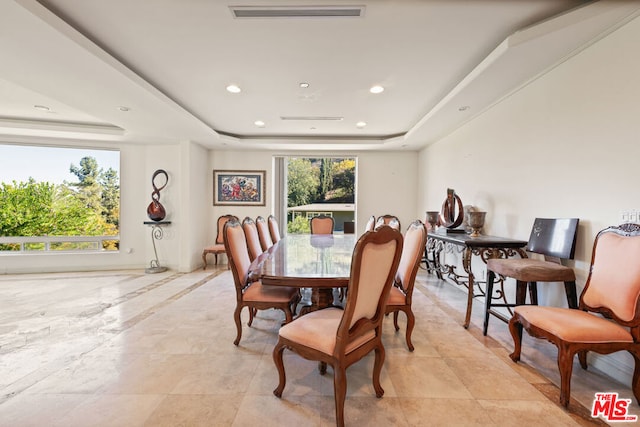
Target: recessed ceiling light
42	107
304	85
361	124
123	108
463	108
259	123
376	89
234	89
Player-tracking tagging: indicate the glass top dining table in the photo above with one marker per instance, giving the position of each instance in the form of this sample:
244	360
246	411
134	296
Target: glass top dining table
321	262
306	261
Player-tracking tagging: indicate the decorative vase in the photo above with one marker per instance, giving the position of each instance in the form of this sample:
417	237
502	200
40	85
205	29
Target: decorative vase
476	222
155	210
432	219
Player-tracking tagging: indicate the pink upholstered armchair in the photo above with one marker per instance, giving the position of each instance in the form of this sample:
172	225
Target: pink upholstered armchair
249	294
342	337
321	224
415	239
608	318
218	247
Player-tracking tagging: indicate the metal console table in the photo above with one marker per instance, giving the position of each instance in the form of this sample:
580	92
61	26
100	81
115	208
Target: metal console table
485	247
157	233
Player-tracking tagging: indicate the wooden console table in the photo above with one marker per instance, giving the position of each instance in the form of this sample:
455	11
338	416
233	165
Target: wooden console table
483	246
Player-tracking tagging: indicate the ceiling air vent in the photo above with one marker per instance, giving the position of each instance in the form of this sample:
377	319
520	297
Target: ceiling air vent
296	11
312	118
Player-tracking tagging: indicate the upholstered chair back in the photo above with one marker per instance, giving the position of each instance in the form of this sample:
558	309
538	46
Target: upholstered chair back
613	285
220	227
374	265
321	225
274	229
252	238
390	220
236	247
263	233
415	239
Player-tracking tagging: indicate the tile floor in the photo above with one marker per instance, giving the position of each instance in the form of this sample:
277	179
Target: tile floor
123	348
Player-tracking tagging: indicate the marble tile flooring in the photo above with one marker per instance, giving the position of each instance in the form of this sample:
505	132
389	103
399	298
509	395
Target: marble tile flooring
124	348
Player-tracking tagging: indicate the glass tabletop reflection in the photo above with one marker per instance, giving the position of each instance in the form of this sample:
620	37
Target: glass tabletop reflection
308	260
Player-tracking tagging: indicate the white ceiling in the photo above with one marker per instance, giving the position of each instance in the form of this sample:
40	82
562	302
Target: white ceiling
169	62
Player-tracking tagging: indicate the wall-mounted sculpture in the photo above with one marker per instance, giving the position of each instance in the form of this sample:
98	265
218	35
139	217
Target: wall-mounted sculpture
155	210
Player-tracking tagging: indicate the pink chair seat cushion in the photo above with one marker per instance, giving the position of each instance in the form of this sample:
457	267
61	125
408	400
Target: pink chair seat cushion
572	325
531	270
257	292
215	248
318	330
396	297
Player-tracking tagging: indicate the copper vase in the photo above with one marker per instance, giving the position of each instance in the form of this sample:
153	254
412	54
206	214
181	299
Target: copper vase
156	211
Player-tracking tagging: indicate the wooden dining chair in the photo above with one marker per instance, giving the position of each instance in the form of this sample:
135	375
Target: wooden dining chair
553	238
253	239
218	247
389	220
253	294
263	233
415	239
608	318
321	224
274	229
339	337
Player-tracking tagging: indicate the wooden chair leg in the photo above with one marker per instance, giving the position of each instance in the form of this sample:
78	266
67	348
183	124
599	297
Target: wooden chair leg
277	359
572	296
635	383
487	300
582	357
533	293
411	321
252	314
204	260
515	327
521	292
377	369
565	364
322	368
288	316
340	392
236	317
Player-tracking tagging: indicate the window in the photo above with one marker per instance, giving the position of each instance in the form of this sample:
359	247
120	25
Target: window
58	199
314	186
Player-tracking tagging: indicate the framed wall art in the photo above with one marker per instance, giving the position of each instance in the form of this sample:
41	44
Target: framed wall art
238	188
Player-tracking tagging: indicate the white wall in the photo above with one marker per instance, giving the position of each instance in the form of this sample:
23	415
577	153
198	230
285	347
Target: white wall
386	183
194	202
564	146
